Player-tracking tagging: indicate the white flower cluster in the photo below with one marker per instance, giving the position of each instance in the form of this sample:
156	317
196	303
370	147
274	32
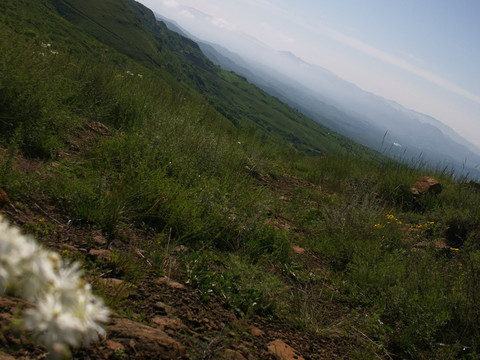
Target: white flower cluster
66	313
128	72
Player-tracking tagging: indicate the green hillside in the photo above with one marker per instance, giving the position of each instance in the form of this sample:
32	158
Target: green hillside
124	148
168	54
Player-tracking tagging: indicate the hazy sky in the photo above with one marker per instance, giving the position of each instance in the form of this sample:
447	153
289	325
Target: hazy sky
424	54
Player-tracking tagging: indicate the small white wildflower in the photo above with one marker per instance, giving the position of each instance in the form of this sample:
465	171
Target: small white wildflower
65	312
67	317
52	323
16	252
37	273
128	72
54	52
67	282
91	312
26	267
140	76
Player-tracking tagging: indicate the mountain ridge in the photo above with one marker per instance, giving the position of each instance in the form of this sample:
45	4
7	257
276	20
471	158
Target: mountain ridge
353	112
219	88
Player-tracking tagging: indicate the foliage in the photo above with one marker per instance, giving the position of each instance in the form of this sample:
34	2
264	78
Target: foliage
247	288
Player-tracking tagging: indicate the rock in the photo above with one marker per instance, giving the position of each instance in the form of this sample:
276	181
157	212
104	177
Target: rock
278	224
472	184
438	244
246	350
233	355
61	155
114	346
4	356
99	128
105	255
170	283
111	282
282	351
180	249
99	239
426	185
256	331
69	248
162	308
148	341
163	322
298	250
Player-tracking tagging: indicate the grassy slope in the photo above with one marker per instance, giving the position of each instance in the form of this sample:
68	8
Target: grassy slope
160	49
189	161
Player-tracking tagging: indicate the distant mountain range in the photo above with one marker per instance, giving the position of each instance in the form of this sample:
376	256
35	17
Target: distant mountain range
368	119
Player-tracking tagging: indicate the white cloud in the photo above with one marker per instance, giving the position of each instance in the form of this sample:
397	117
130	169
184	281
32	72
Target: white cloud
171	3
187	14
278	38
221	23
393	60
414	58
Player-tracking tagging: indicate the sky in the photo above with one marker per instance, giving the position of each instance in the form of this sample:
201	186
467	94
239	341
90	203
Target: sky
423	54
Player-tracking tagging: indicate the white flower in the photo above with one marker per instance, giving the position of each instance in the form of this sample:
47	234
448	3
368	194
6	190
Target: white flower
65	311
52	323
16	251
37	273
67	318
26	267
67	278
91	312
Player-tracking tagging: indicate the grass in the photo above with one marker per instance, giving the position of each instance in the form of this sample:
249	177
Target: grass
224	175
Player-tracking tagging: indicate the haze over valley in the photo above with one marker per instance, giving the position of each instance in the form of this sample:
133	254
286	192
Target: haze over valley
375	121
